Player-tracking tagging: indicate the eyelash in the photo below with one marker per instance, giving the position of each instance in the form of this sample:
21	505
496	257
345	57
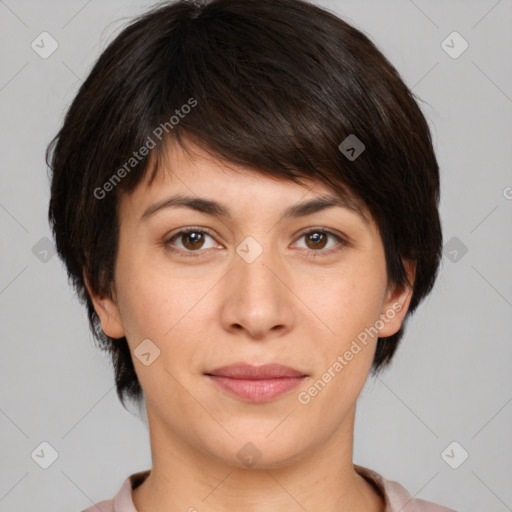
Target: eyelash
311	253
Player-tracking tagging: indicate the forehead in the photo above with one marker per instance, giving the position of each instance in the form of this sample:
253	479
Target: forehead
193	175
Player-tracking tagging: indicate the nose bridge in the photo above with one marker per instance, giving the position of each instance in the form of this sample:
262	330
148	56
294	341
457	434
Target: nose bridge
257	299
253	265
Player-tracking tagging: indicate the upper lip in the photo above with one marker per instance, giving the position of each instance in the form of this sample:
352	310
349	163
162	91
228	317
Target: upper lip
250	372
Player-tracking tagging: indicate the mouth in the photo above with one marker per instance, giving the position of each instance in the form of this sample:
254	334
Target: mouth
256	383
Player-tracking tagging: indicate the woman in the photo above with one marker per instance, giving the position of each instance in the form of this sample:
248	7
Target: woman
245	196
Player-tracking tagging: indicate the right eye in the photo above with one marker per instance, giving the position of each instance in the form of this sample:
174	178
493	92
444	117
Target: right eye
192	240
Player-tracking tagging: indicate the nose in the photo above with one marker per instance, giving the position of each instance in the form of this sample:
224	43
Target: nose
257	298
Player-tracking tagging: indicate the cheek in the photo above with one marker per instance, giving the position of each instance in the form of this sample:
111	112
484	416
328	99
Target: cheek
162	310
145	308
173	313
166	308
344	307
343	304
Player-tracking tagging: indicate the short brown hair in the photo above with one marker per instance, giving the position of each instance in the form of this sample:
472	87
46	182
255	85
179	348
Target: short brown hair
275	85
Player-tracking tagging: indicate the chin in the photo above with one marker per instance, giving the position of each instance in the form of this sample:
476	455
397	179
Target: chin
252	452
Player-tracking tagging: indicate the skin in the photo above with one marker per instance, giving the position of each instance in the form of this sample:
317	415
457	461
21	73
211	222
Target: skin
215	309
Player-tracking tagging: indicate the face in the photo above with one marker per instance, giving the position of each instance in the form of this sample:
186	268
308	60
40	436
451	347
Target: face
256	287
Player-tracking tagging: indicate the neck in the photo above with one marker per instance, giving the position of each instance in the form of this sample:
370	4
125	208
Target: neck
184	478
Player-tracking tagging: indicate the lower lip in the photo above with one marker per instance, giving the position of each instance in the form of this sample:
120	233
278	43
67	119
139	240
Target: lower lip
257	390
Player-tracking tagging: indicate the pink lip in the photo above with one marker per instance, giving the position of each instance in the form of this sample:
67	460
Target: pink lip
256	383
250	372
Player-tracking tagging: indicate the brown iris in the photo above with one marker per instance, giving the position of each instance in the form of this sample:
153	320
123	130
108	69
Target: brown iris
196	239
318	238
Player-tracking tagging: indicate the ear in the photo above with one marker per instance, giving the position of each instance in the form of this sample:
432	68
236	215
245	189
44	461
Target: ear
108	311
397	303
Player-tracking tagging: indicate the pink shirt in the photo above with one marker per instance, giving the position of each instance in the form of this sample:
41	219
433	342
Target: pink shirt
396	498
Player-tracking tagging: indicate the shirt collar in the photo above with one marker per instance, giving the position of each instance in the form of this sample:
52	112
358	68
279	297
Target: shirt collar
395	496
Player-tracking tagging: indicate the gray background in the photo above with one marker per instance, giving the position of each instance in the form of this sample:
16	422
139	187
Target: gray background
451	378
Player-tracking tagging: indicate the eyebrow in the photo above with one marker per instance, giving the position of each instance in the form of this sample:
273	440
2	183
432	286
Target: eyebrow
217	209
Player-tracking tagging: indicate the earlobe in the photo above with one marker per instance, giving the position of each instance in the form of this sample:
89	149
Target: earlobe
107	310
397	304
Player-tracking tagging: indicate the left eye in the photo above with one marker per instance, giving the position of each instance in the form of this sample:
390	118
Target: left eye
317	239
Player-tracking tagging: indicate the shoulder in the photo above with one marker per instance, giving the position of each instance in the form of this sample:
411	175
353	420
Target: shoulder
396	497
102	506
122	501
428	506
